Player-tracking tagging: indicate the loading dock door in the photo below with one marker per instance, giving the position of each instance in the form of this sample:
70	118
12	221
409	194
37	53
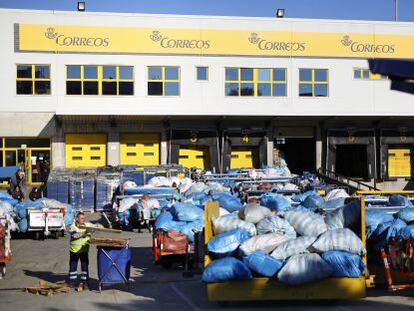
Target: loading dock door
140	149
352	160
85	150
299	153
193	157
241	158
399	163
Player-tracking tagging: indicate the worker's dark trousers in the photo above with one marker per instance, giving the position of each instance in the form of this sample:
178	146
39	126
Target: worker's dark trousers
73	267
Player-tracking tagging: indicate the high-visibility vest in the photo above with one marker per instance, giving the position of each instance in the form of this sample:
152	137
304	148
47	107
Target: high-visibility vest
80	245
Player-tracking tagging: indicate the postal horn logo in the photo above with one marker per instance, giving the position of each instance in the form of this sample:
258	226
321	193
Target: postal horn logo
64	40
272	45
174	43
367	47
51	33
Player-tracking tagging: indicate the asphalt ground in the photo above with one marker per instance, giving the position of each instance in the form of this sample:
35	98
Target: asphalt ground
152	287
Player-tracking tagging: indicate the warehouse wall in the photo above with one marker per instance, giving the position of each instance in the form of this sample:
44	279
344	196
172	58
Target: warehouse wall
346	95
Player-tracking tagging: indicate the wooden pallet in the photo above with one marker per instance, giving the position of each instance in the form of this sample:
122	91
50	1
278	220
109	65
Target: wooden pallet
49	289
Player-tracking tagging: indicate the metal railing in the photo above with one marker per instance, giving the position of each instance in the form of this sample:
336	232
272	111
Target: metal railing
351	183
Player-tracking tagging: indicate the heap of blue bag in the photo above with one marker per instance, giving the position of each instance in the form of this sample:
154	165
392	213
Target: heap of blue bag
296	240
382	225
20	209
183	217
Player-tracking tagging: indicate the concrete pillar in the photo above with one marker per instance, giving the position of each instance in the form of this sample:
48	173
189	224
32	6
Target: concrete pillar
58	152
113	149
318	148
270	146
163	148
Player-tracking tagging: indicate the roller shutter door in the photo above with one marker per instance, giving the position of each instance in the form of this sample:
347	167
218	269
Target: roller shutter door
85	150
399	163
241	158
192	157
140	149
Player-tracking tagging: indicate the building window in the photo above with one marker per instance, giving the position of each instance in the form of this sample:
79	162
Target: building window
163	81
255	82
99	80
366	74
33	80
313	82
202	73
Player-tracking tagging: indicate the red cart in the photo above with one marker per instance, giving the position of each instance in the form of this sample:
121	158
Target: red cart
5	250
169	247
398	258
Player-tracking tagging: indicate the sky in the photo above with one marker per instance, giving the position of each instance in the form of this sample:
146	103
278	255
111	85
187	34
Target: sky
330	9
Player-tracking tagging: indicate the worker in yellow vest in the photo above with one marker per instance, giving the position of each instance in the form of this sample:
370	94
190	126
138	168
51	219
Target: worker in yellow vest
79	248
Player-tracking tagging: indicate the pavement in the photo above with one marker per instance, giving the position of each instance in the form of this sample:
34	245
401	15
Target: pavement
152	287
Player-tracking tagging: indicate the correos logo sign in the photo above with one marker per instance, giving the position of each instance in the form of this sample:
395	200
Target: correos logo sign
356	46
63	40
171	43
267	45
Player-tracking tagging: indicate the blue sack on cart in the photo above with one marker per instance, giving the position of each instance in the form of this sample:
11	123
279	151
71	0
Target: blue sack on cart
406	214
339	240
186	212
263	264
387	230
166	222
189	228
70	215
344	264
407	232
275	202
399	200
23	226
227	201
300	197
306	223
227	244
276	224
4	196
304	268
313	202
373	218
334	203
226	269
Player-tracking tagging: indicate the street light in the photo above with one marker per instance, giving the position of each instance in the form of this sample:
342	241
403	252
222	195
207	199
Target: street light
280	13
81	6
396	10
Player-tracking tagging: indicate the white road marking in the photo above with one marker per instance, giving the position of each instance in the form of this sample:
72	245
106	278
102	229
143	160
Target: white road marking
185	298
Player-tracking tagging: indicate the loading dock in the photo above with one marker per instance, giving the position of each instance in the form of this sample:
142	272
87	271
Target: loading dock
85	150
141	149
351	153
244	148
194	148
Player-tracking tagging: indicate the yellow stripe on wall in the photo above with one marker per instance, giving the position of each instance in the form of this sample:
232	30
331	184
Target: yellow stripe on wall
97	39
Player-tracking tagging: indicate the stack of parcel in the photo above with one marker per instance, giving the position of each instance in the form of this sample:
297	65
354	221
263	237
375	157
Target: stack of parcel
299	240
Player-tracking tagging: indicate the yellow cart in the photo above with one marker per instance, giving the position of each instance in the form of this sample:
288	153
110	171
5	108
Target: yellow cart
265	289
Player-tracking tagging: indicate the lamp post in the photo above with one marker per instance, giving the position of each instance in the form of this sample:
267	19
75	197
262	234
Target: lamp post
396	10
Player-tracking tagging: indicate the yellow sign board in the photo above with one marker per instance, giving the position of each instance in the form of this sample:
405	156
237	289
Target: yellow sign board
119	40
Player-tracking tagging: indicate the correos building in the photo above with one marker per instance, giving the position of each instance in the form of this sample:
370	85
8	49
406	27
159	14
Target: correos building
84	89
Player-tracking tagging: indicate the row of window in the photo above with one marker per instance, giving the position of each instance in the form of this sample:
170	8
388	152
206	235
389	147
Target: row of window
165	80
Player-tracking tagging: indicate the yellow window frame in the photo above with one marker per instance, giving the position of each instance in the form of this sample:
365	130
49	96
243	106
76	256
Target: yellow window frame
371	76
256	81
33	78
99	79
117	79
163	80
313	81
207	73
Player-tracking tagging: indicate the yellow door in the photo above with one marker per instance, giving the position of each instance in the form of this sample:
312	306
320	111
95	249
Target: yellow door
140	149
85	150
399	163
241	158
192	157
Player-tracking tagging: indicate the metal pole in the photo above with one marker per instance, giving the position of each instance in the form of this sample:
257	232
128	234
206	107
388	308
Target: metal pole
396	10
